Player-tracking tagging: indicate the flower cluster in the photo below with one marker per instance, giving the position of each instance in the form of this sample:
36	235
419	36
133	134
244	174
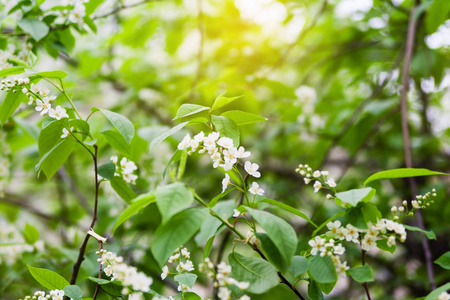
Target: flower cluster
9	54
443	296
223	154
133	281
181	257
40	96
321	178
40	295
421	202
223	279
125	168
384	229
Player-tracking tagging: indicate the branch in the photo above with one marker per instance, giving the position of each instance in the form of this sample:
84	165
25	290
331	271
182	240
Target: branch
77	265
120	8
406	136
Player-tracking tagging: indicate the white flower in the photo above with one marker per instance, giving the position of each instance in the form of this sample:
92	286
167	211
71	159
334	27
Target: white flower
187	266
241	153
24	90
339	250
225	142
135	296
236	213
415	204
331	183
66	132
114	159
391	241
227	165
173	258
245	297
34	88
252	169
199	137
334	226
58	113
342	267
185	142
43	106
368	242
317	244
225	182
165	272
44	91
242	285
255	190
224	293
185	253
307	180
317	174
230	155
140	282
443	296
127	166
317	186
130	178
352	233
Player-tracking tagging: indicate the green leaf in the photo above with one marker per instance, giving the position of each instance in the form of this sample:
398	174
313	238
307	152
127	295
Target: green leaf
242	117
120	122
122	189
271	252
36	28
444	260
81	127
12	71
382	244
363	213
279	231
353	197
99	280
214	200
165	135
18	62
182	165
175	233
208	247
175	157
261	275
436	15
299	265
48	279
137	204
322	269
186	110
401	173
51	74
226	128
314	291
435	294
211	224
107	170
73	292
10	104
337	215
49	136
30	234
92	5
221	101
289	209
191	296
361	274
118	142
53	160
172	198
186	279
429	234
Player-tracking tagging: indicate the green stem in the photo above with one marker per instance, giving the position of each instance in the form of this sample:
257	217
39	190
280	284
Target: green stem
62	90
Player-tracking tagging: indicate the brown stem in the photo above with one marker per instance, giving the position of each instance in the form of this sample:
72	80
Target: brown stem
77	265
406	137
366	287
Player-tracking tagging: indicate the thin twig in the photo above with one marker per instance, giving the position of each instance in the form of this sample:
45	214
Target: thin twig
406	136
77	265
120	8
97	287
366	287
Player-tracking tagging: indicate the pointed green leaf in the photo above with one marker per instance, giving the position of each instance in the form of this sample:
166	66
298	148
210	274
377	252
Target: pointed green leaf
53	160
261	275
382	244
242	117
175	233
289	209
36	28
361	274
51	74
299	265
186	110
186	279
172	198
322	269
435	294
122	189
436	15
353	197
107	170
120	122
118	142
221	101
428	233
165	135
314	291
73	292
226	128
444	260
12	71
139	203
10	104
48	279
279	231
208	247
401	173
31	234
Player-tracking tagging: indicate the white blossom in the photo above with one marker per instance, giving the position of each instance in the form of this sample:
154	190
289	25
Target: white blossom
255	189
252	169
